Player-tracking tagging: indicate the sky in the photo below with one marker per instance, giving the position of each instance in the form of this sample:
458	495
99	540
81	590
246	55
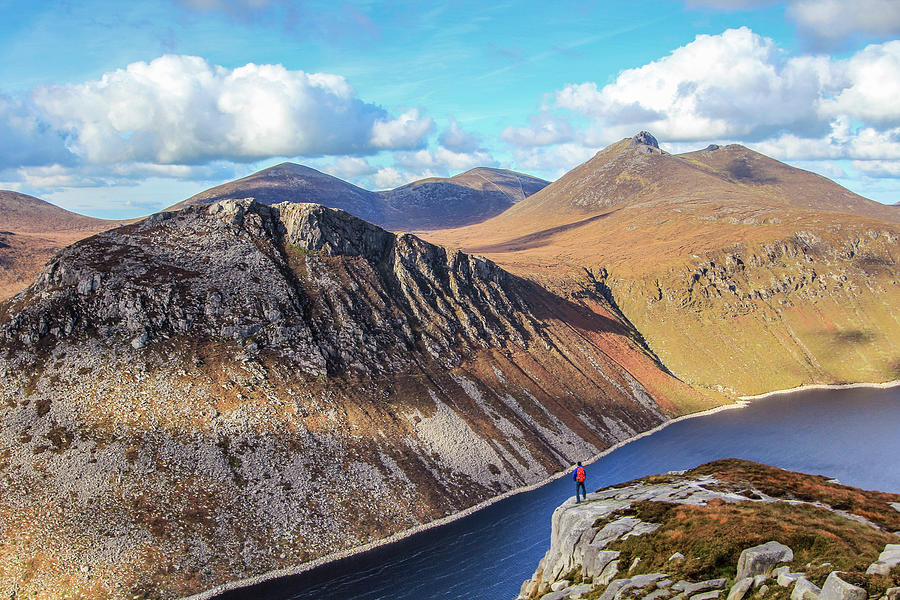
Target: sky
118	110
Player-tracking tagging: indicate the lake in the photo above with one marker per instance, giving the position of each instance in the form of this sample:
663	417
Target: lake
850	434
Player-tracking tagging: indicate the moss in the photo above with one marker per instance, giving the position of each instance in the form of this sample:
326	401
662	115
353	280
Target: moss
712	538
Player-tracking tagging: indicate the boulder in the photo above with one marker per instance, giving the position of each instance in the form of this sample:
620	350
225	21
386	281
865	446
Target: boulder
690	588
784	577
710	595
762	559
676	556
560	595
658	594
740	588
887	560
804	589
836	588
560	585
892	593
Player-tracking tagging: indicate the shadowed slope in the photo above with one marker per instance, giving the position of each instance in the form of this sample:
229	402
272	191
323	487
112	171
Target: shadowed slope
433	203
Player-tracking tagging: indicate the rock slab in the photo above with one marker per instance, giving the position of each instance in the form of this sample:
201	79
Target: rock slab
836	588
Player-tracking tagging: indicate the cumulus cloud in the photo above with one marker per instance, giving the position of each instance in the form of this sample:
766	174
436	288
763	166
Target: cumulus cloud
545	129
409	130
390	178
729	85
350	167
182	109
456	139
443	160
869	85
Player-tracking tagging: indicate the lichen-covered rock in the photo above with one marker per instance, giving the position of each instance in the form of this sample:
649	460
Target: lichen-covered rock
836	588
804	589
761	560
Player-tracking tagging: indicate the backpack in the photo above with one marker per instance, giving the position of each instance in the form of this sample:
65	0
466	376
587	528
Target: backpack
579	475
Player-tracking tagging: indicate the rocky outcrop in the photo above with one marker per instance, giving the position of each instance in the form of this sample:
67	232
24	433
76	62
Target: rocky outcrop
712	509
237	388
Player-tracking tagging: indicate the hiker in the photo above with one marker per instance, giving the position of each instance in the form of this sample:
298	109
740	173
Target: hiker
578	476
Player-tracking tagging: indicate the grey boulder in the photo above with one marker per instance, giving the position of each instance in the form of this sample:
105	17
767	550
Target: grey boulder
762	559
804	589
836	588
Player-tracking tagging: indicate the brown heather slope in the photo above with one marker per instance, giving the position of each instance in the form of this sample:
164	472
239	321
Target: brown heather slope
720	259
432	203
218	392
31	231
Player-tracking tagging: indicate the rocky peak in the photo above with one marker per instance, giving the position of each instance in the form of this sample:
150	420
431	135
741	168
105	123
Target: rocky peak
646	139
300	280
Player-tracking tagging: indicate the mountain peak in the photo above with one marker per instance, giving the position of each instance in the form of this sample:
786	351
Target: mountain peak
645	138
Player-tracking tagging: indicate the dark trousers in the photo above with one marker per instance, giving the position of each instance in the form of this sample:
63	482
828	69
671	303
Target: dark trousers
580	489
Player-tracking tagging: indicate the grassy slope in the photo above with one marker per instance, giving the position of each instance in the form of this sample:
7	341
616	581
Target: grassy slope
712	536
793	295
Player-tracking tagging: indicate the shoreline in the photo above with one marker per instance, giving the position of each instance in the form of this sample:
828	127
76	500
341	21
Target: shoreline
741	402
823	386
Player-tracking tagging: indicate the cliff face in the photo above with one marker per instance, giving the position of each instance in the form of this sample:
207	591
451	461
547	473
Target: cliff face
215	393
726	524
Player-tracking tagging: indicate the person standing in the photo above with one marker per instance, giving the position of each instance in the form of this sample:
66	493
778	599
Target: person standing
578	476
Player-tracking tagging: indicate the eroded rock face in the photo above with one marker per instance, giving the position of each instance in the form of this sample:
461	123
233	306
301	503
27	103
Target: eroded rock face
237	388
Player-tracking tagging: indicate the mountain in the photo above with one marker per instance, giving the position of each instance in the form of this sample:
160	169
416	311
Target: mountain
294	183
230	389
467	198
742	273
31	231
432	203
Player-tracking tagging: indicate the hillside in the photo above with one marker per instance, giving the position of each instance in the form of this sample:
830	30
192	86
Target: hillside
271	384
727	527
31	231
433	203
738	270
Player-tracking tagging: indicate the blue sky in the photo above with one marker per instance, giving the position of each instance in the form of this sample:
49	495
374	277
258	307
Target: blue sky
120	109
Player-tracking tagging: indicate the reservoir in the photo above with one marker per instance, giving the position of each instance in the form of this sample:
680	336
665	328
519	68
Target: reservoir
850	434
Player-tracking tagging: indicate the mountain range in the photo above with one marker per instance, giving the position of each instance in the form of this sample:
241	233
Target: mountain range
744	274
251	381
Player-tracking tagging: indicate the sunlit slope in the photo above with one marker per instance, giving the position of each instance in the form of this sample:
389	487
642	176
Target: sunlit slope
741	272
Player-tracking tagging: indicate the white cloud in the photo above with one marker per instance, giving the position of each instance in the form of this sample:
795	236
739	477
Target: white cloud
409	130
878	168
350	167
389	178
456	139
181	109
829	22
730	85
555	160
545	129
443	160
869	85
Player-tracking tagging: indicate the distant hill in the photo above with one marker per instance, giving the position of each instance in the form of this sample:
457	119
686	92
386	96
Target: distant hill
31	231
740	271
432	203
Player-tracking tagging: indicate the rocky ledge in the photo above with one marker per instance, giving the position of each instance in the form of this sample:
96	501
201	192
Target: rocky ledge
729	529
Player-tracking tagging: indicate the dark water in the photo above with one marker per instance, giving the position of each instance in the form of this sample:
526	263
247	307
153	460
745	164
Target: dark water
853	435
